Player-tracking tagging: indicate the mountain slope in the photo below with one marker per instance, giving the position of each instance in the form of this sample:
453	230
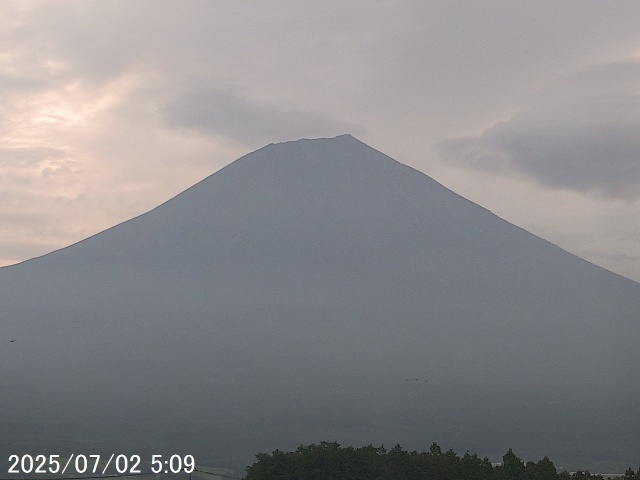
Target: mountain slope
319	290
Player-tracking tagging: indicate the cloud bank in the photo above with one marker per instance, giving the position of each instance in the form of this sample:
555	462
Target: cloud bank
210	111
583	137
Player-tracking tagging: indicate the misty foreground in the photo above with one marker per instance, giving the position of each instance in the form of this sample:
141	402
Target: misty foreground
319	289
330	461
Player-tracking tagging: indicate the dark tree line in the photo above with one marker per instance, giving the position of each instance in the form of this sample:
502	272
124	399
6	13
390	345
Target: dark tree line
330	461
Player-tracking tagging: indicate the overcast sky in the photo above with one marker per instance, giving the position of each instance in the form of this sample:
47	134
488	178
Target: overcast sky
530	109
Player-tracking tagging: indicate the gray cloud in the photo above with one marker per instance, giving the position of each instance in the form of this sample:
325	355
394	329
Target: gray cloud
584	136
225	113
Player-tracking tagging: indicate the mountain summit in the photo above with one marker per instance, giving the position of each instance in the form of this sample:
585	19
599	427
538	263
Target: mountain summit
319	290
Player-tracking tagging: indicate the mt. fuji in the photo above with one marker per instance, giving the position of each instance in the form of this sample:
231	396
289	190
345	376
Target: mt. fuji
319	290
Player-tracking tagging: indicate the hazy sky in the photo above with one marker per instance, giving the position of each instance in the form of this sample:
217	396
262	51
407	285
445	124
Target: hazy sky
530	109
